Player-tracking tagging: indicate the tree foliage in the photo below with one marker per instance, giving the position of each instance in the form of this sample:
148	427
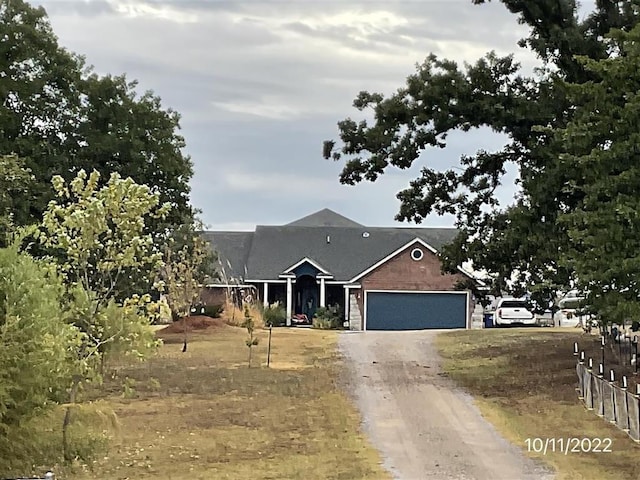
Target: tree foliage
100	232
527	238
38	351
602	155
15	179
60	118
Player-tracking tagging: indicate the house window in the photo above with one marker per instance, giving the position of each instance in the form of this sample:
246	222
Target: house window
417	254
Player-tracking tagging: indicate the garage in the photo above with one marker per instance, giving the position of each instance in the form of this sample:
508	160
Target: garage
393	310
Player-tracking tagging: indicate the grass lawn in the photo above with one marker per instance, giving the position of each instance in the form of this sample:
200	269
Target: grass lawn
204	415
524	383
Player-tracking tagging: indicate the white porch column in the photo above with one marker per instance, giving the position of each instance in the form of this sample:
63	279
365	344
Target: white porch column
322	293
346	304
289	301
265	295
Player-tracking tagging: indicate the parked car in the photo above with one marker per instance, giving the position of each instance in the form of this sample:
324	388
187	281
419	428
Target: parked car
513	311
571	312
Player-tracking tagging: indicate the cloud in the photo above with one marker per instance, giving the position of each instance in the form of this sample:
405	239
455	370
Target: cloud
140	9
260	85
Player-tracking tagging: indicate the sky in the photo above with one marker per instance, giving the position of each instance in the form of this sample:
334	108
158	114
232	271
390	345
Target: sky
260	84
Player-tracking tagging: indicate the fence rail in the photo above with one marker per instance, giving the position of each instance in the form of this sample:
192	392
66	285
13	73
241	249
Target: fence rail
613	403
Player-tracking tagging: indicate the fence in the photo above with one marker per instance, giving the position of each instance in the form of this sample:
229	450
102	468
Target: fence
613	403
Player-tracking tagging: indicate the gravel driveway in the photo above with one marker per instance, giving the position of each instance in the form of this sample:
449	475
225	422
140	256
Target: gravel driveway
422	424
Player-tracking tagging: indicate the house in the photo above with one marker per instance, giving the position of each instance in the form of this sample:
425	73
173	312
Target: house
381	278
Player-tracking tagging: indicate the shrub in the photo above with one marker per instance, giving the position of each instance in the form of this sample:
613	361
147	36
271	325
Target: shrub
213	311
275	315
322	323
37	355
327	318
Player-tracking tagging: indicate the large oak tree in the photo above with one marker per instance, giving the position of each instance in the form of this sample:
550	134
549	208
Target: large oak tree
409	126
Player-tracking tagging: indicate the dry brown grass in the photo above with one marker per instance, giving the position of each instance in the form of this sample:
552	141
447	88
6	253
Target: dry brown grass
524	382
204	415
232	315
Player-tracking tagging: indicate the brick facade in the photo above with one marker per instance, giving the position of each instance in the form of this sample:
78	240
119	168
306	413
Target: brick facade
404	273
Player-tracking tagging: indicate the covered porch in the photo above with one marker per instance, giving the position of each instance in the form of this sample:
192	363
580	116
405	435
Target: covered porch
302	289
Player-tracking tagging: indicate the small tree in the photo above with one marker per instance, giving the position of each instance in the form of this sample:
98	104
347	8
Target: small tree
99	233
182	273
250	326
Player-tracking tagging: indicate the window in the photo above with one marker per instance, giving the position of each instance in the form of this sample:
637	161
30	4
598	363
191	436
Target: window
514	304
417	254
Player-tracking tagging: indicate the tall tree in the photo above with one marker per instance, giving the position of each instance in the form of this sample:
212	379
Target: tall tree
62	118
121	131
602	161
525	238
38	100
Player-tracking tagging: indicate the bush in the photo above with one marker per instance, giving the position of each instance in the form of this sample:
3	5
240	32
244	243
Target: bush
327	318
214	311
37	356
275	315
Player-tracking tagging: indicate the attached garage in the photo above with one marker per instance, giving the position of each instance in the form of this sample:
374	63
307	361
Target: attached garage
414	310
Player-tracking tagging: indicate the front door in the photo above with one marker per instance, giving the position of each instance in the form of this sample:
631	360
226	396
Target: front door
307	295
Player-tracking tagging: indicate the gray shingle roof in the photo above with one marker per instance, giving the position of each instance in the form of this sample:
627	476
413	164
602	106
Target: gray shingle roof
272	249
232	249
324	218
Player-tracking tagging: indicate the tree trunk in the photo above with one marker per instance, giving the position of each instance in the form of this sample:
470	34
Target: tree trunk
67	421
184	328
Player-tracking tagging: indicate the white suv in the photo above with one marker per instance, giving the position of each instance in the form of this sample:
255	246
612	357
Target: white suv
513	311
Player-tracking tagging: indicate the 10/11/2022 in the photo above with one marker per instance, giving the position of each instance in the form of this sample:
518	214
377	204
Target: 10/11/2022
568	445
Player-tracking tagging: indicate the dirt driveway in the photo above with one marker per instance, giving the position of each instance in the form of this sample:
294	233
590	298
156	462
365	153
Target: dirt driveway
422	424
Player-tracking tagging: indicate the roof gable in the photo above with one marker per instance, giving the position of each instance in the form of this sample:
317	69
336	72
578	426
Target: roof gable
303	262
393	255
324	218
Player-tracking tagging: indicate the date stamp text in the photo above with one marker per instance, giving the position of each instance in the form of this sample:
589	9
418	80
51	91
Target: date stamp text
568	445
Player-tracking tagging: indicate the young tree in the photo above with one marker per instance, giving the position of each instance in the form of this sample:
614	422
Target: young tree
183	272
525	238
100	232
249	324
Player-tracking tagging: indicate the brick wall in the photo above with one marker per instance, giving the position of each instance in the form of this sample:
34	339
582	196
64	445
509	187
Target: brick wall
404	273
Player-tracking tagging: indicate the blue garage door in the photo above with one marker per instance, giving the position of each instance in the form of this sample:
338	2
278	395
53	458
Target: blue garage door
415	311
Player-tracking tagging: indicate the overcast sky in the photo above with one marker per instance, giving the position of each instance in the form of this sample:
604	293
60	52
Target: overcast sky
261	84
